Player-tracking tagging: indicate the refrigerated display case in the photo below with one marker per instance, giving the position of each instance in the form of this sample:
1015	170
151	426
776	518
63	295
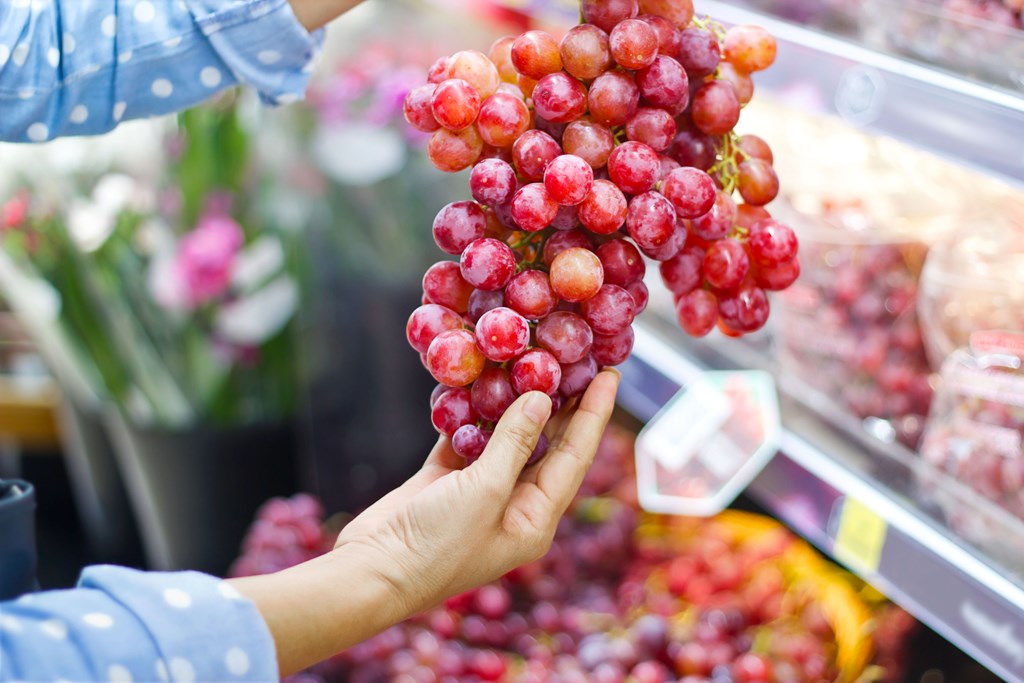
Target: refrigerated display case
842	480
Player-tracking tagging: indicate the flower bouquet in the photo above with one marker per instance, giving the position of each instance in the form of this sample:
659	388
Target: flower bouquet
173	301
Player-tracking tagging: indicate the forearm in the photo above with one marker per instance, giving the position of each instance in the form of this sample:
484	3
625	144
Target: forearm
322	607
314	14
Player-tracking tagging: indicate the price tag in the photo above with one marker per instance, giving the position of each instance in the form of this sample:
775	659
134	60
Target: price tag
860	536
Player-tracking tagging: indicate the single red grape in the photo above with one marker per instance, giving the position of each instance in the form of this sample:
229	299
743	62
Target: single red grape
492	393
633	44
613	97
679	12
603	211
443	284
469	441
664	83
535	54
458	224
684	272
565	335
726	264
453	410
533	208
614	349
745	311
455	104
749	48
621	261
576	274
532	153
481	301
668	34
590	141
427	322
502	334
568	179
502	119
717	222
758	184
699	52
529	293
576	377
653	127
418	108
584	51
559	98
697	312
634	166
716	108
651	220
492	182
778	278
691	191
501	54
452	152
606	14
609	311
536	370
453	358
487	264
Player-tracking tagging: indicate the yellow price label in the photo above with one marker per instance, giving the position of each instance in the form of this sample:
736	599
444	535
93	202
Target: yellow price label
860	536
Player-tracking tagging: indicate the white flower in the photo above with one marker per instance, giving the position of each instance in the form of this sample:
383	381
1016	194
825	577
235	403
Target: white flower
165	283
114	192
359	153
89	224
257	263
252	320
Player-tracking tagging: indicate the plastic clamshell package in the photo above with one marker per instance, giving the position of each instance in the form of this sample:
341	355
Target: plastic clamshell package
708	443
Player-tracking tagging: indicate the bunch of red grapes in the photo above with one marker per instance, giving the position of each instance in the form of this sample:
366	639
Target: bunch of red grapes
589	154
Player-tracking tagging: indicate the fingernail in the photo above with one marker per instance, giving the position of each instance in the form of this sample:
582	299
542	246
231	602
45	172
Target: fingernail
615	371
538	407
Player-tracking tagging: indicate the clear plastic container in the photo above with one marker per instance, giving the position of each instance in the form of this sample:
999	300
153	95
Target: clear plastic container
976	428
979	38
848	328
974	282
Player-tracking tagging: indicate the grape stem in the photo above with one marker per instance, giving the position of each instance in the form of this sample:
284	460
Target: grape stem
709	24
727	169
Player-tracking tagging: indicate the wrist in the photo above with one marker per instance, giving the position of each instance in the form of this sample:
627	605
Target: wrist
322	607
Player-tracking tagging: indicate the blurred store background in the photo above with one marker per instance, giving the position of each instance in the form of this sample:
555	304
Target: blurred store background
202	313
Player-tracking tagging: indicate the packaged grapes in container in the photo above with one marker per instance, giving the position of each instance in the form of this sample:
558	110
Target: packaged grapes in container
972	281
847	331
979	38
976	428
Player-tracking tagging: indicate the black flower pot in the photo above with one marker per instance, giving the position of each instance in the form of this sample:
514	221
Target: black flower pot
195	491
98	487
17	538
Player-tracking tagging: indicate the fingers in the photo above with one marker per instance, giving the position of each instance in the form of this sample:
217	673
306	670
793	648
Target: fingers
513	442
560	474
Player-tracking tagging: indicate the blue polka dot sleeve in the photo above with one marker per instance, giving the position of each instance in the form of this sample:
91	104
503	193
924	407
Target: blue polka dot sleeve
122	625
70	67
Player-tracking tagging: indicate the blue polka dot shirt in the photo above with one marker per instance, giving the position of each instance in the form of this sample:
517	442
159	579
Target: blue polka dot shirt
79	67
122	625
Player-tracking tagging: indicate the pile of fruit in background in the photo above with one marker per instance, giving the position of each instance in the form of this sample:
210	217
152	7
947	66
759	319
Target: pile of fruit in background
589	153
622	596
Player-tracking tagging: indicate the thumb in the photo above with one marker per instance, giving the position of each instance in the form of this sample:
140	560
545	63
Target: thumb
514	439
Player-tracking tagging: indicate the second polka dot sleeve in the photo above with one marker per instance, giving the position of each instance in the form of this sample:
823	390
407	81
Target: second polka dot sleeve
69	67
123	625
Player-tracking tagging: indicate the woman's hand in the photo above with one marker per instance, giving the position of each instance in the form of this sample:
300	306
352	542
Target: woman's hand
449	529
446	530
